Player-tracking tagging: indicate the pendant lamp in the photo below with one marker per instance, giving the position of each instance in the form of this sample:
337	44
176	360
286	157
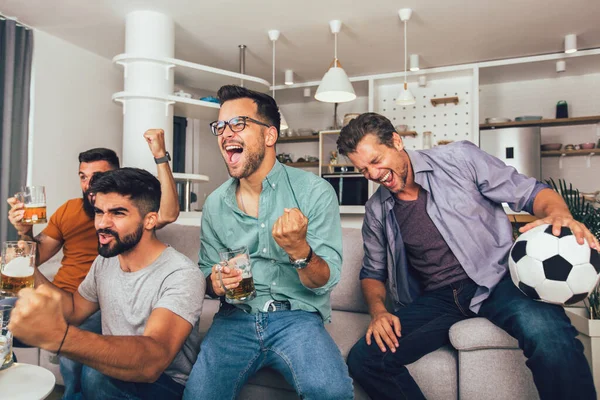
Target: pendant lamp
405	97
274	35
335	87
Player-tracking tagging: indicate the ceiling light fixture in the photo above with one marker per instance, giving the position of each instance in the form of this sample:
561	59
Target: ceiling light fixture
335	87
405	98
570	43
414	62
274	35
561	66
289	77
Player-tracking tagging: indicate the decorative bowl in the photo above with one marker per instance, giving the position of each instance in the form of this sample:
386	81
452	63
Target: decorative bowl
587	146
551	146
528	118
496	120
401	128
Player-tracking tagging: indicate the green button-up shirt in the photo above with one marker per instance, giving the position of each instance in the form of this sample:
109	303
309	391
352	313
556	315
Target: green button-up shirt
224	225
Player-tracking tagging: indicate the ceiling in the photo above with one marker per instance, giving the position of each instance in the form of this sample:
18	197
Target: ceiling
371	41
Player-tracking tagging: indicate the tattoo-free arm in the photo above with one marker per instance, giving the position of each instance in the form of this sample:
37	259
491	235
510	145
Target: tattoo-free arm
169	200
130	358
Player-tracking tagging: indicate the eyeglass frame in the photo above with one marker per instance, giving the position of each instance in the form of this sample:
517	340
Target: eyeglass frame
228	124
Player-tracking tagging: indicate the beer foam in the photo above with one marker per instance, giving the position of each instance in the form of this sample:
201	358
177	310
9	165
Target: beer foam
35	205
19	267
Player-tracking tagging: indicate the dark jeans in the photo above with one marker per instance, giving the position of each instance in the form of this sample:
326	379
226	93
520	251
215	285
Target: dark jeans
96	386
544	332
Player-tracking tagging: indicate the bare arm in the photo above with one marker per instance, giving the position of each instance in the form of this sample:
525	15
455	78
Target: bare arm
316	273
550	208
36	321
385	327
169	200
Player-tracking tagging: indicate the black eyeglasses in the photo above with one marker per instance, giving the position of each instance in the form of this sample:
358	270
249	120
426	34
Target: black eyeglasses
236	124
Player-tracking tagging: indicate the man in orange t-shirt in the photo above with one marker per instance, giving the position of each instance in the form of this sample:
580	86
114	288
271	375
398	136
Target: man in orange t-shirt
72	225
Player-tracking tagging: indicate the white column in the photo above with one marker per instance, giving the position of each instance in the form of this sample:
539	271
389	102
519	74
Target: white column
148	34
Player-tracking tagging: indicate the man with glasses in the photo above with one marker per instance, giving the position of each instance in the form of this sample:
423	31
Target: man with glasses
289	220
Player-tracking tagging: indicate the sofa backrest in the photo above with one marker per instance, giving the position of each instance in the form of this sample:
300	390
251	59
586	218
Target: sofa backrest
346	296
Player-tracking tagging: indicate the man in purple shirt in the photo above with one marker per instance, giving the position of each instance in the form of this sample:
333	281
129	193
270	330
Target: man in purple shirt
435	232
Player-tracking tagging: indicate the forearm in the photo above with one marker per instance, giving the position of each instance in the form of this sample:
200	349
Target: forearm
374	293
316	274
549	203
66	297
169	200
128	358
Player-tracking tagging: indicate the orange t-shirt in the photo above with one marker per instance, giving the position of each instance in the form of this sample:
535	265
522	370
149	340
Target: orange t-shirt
72	226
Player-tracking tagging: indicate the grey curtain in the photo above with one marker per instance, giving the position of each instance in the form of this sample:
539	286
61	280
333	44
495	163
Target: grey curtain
16	51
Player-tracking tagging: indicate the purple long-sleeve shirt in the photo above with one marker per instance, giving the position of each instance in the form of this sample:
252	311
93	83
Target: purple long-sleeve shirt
465	189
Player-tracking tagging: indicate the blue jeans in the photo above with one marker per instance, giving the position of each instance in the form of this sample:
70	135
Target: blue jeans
71	370
295	343
96	386
544	332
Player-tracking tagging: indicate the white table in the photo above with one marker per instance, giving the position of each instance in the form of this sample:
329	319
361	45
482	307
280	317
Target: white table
25	382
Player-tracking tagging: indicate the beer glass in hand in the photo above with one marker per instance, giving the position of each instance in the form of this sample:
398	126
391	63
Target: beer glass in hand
6	339
238	259
16	267
34	200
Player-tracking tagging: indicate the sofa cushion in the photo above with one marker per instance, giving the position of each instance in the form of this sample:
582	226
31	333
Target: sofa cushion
480	333
347	294
436	374
346	328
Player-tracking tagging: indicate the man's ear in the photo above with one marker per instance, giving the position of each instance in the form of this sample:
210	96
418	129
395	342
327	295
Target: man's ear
271	136
398	142
150	221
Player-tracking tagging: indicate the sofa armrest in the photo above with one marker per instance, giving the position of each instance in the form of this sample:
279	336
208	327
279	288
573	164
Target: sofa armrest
480	333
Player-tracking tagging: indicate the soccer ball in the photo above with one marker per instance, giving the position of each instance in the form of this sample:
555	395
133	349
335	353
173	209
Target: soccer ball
554	269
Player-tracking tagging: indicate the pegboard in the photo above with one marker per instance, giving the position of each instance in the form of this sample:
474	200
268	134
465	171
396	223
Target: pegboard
445	122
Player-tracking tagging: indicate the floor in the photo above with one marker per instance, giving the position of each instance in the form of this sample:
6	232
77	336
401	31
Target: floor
56	393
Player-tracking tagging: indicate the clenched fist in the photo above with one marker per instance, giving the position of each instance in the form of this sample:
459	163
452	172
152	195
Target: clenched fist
289	231
37	318
156	142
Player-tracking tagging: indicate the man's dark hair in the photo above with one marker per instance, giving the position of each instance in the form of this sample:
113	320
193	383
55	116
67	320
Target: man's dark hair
367	123
100	154
266	106
142	188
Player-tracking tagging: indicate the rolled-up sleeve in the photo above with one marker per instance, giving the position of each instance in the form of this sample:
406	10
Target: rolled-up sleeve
499	182
209	243
374	264
325	232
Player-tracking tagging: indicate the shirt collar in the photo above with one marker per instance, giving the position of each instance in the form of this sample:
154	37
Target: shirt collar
270	182
420	166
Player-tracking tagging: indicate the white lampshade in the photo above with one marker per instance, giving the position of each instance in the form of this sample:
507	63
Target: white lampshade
283	123
571	43
405	98
335	87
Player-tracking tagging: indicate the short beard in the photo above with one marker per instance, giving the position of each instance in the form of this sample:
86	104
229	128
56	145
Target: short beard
254	160
88	207
128	243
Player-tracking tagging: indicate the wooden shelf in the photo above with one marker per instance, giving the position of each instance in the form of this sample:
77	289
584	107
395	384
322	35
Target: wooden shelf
558	153
184	107
303	164
444	100
338	165
545	122
408	133
296	139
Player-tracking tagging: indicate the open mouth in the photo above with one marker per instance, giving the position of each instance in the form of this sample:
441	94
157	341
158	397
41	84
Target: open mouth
104	238
234	152
386	178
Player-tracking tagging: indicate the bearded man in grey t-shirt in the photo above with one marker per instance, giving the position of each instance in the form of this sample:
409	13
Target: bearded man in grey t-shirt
149	294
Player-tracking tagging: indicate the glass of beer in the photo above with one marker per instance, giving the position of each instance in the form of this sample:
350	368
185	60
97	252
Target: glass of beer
6	339
34	200
17	266
238	259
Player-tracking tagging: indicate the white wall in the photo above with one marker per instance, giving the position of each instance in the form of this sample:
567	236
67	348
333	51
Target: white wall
72	112
539	97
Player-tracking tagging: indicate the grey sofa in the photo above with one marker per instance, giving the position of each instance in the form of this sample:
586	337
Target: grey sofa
484	362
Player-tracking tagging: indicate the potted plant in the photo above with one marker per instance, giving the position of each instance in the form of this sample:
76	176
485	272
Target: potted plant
586	318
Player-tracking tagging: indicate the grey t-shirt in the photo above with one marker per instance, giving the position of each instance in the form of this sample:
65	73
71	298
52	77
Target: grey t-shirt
127	299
